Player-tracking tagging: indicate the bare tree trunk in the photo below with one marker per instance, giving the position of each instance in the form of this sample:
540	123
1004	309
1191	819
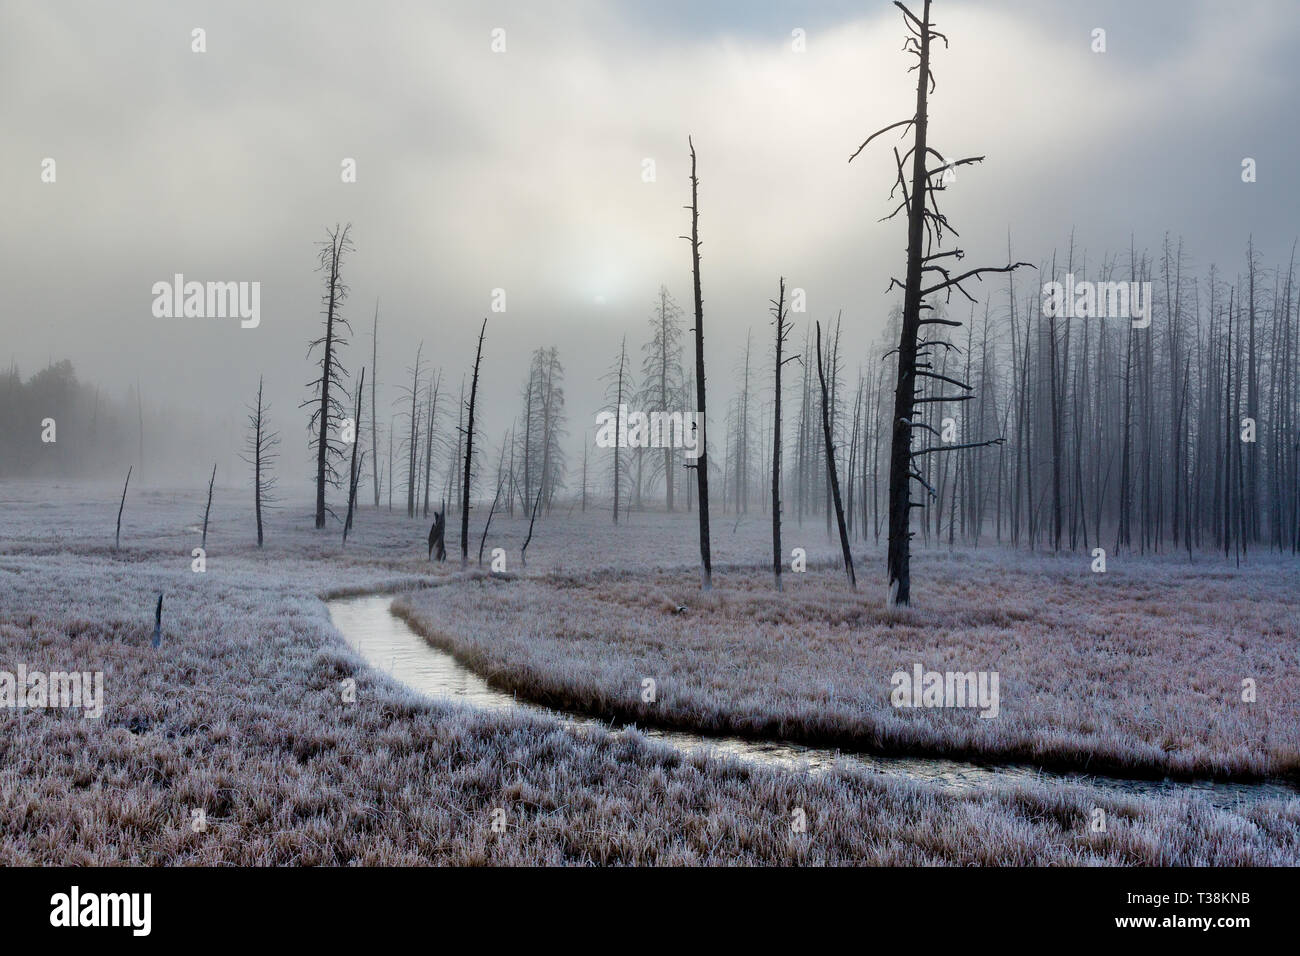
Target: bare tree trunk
669	477
528	433
432	391
208	509
1251	452
745	423
782	330
469	453
1054	397
257	464
413	441
117	537
702	461
830	467
1228	440
374	418
495	498
354	473
523	552
618	423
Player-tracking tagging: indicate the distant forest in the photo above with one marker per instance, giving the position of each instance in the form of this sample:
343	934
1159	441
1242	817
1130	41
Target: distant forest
95	434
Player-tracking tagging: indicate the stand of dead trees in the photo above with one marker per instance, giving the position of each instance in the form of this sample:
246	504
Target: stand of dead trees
1157	428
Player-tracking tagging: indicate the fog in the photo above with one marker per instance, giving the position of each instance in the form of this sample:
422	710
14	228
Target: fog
524	170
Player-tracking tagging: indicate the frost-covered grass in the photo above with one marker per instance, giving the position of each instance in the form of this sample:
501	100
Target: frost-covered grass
1131	672
240	714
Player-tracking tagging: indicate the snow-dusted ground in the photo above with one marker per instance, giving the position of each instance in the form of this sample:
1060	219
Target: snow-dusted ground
240	713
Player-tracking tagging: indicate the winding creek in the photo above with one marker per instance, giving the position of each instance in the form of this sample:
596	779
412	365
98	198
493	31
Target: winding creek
388	644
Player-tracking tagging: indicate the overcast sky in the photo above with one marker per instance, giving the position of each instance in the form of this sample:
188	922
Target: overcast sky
523	169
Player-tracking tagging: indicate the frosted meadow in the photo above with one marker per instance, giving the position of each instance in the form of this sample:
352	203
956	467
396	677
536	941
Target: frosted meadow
241	715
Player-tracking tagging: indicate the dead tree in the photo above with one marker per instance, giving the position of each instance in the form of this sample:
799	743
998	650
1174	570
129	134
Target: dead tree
259	454
328	408
701	464
469	453
354	467
208	508
661	374
925	228
431	393
830	467
374	419
117	537
139	407
742	437
495	499
782	333
454	472
523	552
413	435
617	380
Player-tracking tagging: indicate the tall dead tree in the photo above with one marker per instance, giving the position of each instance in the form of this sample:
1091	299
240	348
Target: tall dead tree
469	452
454	472
413	435
374	418
431	394
618	381
328	408
782	333
258	453
701	465
925	227
742	436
